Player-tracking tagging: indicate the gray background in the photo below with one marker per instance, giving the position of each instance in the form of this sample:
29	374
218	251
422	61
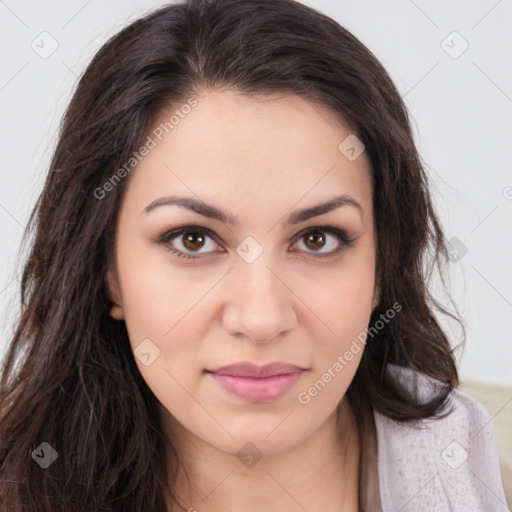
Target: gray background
460	102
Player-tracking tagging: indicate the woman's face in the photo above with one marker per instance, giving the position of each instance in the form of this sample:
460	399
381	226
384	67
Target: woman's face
264	282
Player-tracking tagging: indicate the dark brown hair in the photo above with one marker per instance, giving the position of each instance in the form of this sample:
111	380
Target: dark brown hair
69	376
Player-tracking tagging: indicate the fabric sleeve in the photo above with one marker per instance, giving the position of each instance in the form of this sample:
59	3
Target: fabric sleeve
449	464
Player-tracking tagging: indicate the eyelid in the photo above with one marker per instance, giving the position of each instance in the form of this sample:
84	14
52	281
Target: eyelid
179	230
344	240
170	234
174	233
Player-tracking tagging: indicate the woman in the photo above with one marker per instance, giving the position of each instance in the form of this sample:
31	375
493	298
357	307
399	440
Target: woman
225	306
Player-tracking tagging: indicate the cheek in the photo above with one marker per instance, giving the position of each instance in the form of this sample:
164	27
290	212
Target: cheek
150	308
153	299
344	302
344	308
157	309
347	309
164	306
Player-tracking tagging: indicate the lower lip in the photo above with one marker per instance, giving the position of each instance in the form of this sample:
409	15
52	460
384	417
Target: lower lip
258	390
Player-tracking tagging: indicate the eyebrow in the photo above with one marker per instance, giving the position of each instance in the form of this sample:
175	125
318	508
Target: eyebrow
212	212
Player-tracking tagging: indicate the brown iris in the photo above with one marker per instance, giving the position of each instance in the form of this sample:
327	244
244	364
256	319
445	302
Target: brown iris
317	240
192	239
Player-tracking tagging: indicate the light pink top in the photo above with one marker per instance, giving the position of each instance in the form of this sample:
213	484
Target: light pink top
446	465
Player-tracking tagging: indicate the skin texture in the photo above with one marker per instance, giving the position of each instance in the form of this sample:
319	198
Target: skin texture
259	159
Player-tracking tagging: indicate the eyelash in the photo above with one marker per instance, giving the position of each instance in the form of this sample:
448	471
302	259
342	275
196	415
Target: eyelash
341	235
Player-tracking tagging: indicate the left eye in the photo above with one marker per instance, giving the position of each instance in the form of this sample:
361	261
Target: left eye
317	239
194	238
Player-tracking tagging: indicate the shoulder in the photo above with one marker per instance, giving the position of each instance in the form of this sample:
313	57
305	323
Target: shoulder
446	464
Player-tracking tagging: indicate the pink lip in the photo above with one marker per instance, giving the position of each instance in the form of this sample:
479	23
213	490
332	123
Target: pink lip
255	383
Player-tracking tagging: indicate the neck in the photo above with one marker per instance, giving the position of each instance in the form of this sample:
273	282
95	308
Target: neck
322	473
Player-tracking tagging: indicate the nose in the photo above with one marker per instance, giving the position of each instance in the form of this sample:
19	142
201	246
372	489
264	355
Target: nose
260	303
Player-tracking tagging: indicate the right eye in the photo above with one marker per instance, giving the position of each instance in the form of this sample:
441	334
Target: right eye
188	238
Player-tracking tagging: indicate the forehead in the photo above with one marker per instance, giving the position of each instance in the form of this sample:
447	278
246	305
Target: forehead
251	151
234	122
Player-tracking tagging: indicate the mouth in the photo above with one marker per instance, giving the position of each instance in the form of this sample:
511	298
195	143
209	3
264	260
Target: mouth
255	383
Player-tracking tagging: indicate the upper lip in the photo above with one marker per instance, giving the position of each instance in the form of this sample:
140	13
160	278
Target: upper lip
246	369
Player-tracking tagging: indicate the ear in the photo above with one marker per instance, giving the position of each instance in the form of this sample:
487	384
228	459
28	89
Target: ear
114	294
